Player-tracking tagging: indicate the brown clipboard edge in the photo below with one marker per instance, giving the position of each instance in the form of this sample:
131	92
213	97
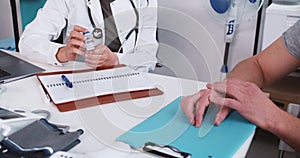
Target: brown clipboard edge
77	71
103	99
99	100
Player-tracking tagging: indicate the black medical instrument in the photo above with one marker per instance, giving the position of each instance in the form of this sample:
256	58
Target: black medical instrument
97	32
155	149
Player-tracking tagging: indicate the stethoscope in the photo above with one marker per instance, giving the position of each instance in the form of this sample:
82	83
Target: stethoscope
97	32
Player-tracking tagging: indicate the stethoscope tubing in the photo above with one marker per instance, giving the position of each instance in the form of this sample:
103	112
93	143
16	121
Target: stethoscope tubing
135	28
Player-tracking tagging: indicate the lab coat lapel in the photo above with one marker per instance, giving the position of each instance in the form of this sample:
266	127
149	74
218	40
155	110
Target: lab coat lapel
96	12
124	18
118	7
115	6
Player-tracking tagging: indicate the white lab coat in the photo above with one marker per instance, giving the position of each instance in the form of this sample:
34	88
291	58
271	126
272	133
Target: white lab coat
35	42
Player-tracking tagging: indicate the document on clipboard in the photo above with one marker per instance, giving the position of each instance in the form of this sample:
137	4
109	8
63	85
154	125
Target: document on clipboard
70	90
170	128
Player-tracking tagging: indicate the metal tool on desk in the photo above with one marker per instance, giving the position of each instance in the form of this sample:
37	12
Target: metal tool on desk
16	119
164	151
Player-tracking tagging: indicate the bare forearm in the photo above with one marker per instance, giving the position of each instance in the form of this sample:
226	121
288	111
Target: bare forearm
287	128
266	67
248	70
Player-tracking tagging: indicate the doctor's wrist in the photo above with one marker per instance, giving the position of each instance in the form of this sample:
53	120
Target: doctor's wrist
61	55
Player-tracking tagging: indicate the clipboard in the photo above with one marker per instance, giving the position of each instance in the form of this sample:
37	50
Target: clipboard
170	127
98	99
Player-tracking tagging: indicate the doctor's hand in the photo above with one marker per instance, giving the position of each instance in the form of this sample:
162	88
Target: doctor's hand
247	99
194	106
101	56
74	47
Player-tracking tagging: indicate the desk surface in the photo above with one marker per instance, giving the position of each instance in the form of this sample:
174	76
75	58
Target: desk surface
102	124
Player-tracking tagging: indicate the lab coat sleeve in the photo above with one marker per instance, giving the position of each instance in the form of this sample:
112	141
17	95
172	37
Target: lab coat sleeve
143	57
36	40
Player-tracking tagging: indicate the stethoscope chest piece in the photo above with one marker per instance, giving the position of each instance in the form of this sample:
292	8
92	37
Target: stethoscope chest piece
97	33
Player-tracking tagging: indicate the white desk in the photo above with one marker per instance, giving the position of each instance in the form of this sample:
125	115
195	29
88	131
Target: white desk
103	124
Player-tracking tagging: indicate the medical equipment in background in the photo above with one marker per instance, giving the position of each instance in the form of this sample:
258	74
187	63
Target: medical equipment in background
238	11
230	27
14	119
279	17
286	2
195	39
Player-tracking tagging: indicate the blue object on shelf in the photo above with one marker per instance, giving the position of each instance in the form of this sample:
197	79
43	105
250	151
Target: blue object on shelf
8	44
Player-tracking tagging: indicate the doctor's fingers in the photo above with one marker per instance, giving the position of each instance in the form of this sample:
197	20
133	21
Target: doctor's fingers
93	60
74	50
101	49
76	43
79	28
92	64
77	35
201	105
104	60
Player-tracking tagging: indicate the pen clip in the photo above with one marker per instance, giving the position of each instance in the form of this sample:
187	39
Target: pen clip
164	150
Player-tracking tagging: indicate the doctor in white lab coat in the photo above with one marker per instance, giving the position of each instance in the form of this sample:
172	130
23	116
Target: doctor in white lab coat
71	17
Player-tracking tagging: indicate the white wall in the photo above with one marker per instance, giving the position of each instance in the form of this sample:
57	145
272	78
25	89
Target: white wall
191	37
6	20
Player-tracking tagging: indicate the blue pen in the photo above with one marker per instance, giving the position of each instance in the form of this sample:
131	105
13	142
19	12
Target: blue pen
67	81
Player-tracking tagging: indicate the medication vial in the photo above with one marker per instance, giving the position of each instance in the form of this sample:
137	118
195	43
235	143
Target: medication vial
89	41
